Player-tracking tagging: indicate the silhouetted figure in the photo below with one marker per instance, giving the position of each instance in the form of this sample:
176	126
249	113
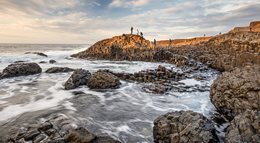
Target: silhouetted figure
137	32
132	29
154	42
141	33
170	42
220	33
204	35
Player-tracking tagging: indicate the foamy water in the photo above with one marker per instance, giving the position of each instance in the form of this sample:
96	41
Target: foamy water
126	113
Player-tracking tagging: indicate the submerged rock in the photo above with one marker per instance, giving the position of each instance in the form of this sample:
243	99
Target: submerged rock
184	127
21	69
244	128
37	53
52	61
59	69
79	77
234	92
57	129
103	80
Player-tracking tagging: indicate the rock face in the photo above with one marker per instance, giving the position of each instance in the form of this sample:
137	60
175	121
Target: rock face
79	77
21	69
103	80
59	70
183	127
244	128
234	92
57	129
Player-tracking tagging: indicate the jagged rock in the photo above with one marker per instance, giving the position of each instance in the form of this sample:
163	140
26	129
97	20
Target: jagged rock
59	69
105	140
183	127
21	69
52	61
163	55
37	53
103	80
234	92
245	128
79	135
79	77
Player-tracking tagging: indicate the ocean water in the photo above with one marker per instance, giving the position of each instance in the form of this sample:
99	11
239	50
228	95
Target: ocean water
126	113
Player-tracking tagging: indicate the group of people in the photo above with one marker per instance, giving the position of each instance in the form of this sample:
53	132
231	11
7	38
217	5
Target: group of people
141	33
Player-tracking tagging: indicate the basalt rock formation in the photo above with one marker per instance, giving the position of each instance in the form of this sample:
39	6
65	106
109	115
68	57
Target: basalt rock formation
103	80
234	92
79	77
56	129
119	48
184	127
244	128
20	69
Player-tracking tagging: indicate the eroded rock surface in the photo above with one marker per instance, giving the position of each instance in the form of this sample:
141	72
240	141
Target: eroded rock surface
79	77
245	128
59	70
183	127
103	80
21	69
234	92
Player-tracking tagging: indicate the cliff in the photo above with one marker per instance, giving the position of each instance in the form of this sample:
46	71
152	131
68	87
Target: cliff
182	42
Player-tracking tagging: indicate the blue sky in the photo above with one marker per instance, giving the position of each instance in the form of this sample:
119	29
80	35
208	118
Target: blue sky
87	21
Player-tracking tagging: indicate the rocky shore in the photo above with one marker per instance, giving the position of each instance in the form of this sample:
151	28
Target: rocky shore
235	93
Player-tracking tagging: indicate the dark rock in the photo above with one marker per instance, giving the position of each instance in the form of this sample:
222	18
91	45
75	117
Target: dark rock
19	62
21	69
105	140
59	70
234	92
40	138
31	134
183	127
79	135
79	77
37	53
103	80
244	128
45	126
162	55
52	61
42	62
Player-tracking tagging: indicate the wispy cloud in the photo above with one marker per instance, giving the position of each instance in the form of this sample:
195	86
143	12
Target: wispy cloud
87	21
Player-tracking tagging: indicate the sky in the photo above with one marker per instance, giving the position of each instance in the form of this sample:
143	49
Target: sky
88	21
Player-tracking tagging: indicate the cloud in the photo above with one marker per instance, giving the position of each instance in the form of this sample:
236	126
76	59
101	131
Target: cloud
128	3
81	21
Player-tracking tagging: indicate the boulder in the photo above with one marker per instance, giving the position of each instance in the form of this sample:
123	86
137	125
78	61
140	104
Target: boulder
103	80
184	127
79	77
245	128
59	70
21	69
79	135
162	55
52	61
234	92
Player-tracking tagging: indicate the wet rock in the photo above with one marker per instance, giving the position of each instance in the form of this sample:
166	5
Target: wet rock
42	62
21	69
79	77
103	80
40	138
105	140
245	128
183	127
59	70
45	126
163	55
31	134
37	53
234	92
79	135
19	62
52	61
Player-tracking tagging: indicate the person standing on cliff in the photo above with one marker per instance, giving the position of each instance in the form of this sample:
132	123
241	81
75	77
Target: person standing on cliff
170	42
154	42
141	33
132	29
137	32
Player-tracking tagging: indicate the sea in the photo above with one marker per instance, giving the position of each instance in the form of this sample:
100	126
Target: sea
126	113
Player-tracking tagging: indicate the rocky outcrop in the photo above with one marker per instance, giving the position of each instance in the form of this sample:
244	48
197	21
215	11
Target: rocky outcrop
183	127
234	92
103	80
244	128
79	77
59	70
117	48
21	69
57	129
